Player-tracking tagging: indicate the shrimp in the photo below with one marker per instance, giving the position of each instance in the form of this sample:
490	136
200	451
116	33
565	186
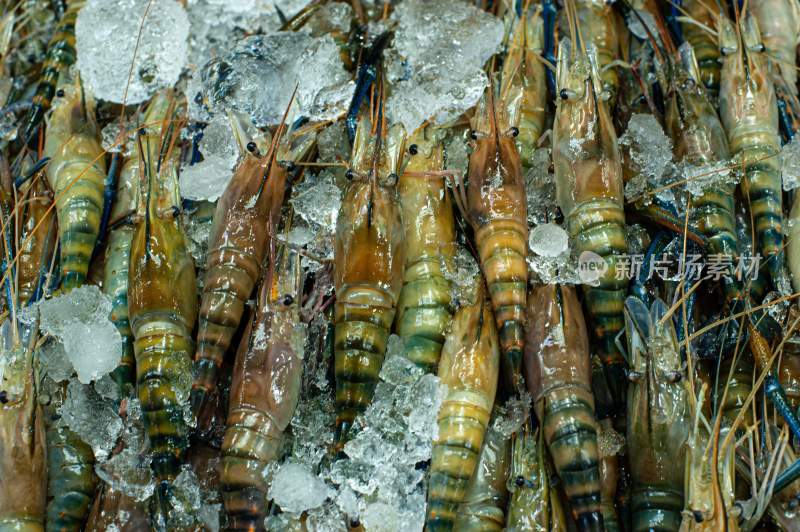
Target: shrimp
424	310
534	506
246	217
23	492
779	22
602	28
469	366
749	112
60	56
369	256
118	251
658	416
37	241
589	189
76	173
558	375
699	27
486	496
524	87
699	140
496	207
264	393
162	309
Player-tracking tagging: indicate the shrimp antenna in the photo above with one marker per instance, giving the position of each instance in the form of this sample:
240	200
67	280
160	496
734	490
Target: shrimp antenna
272	153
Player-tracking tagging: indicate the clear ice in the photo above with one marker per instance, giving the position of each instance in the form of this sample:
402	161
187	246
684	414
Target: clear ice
79	319
92	418
106	35
790	164
207	179
437	71
260	74
316	200
295	488
647	151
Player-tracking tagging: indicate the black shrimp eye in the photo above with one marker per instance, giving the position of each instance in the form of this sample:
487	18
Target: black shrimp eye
515	131
698	516
413	149
355	523
473	135
564	93
60	93
251	147
519	481
290	166
349	174
288	300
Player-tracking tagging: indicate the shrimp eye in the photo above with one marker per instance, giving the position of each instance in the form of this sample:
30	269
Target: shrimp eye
519	481
514	131
3	397
413	150
564	94
391	180
355	523
698	516
288	300
290	166
473	134
60	93
251	147
349	174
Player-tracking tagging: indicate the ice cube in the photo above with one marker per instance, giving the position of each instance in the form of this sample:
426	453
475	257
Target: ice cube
296	489
549	240
317	200
207	179
79	319
437	73
55	361
92	418
540	189
790	164
112	34
463	276
281	61
647	151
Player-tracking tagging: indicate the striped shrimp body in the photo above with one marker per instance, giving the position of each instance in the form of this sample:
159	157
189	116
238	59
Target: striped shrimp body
246	217
496	208
368	267
600	26
658	417
699	140
588	174
534	506
23	468
424	309
60	56
749	112
558	375
76	173
699	17
264	394
486	497
37	240
524	88
162	310
469	367
118	251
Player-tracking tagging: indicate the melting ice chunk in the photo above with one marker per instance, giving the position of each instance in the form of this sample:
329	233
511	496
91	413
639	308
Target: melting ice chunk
296	489
437	73
107	35
79	319
91	417
260	74
207	179
55	361
647	152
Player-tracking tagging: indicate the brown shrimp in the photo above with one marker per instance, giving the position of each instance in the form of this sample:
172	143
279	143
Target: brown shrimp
558	375
496	207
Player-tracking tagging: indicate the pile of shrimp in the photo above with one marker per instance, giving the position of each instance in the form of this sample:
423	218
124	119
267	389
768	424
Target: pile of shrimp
657	401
